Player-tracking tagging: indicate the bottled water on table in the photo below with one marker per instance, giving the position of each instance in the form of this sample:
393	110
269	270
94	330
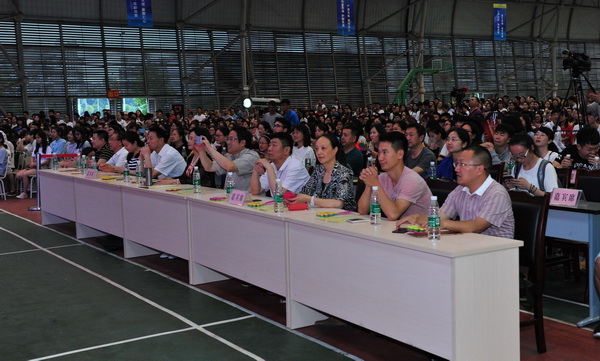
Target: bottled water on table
375	208
278	197
139	173
54	161
126	177
196	180
433	220
432	171
229	183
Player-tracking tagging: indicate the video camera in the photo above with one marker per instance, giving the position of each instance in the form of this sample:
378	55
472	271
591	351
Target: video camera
459	93
577	62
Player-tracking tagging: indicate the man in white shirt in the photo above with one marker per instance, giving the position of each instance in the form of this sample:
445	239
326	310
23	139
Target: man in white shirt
118	161
290	171
164	159
199	116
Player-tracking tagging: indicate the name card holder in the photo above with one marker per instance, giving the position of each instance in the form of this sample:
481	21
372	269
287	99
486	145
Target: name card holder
566	197
91	173
237	197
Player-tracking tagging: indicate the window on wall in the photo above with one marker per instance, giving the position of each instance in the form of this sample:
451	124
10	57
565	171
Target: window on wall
92	105
135	104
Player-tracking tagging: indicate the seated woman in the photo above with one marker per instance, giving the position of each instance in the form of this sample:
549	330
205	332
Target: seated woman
374	133
457	140
263	145
177	141
330	185
41	148
525	173
302	149
545	148
132	144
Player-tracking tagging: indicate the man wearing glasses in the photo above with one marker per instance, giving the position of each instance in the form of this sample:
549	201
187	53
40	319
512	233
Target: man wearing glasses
281	125
240	160
482	204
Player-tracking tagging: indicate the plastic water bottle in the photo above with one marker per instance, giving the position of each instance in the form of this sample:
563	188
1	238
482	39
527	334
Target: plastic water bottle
93	163
375	209
596	162
78	162
278	196
433	220
370	162
432	171
126	177
54	161
84	164
510	166
196	180
229	183
139	173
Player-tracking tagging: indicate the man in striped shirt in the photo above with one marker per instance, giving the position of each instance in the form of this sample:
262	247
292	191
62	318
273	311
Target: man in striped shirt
481	204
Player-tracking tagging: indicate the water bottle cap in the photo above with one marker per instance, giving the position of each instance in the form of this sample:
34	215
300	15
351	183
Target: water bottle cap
432	163
434	198
375	188
277	180
229	173
195	167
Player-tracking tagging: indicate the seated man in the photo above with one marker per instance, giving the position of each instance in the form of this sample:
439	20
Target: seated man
290	171
419	157
482	204
499	149
580	155
102	151
402	191
118	161
354	157
239	160
164	159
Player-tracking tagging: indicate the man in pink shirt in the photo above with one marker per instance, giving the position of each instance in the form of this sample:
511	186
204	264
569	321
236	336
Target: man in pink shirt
402	191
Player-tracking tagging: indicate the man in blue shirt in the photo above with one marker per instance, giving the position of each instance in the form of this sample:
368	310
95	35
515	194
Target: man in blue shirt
354	157
289	114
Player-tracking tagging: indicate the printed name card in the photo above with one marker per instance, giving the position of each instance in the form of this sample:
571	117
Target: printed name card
565	197
91	173
237	197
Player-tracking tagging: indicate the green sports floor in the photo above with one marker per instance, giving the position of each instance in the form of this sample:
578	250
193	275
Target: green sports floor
63	300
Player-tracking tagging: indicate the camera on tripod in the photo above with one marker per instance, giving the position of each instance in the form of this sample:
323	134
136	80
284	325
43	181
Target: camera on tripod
459	93
577	62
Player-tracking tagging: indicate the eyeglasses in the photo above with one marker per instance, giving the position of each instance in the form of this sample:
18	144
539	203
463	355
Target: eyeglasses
521	156
462	165
277	126
453	139
231	139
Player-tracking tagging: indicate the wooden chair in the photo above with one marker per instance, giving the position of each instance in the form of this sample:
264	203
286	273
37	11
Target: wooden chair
531	215
441	188
497	172
589	183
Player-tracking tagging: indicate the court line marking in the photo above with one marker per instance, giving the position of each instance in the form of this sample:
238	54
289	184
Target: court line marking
206	293
138	296
135	339
37	249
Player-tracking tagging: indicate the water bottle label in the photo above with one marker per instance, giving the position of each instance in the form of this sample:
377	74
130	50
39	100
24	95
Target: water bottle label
229	189
196	182
433	221
278	198
138	174
307	162
375	208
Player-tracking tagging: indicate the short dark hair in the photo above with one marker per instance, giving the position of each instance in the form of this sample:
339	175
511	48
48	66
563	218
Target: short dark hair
462	134
397	140
340	155
587	136
420	129
521	139
285	123
505	128
482	155
132	137
160	132
243	134
285	139
355	131
285	101
101	134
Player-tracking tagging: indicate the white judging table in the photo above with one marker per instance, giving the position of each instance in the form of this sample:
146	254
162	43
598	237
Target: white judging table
457	298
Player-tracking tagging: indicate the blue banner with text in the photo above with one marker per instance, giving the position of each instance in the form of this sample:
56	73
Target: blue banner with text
139	13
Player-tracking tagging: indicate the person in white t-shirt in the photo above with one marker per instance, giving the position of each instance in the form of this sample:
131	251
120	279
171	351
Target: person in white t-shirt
302	145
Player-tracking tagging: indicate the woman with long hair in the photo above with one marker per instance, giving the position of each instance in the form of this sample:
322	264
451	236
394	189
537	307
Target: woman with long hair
302	149
41	148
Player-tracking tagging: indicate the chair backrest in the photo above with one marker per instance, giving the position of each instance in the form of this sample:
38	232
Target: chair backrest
531	215
589	183
441	188
497	172
564	176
